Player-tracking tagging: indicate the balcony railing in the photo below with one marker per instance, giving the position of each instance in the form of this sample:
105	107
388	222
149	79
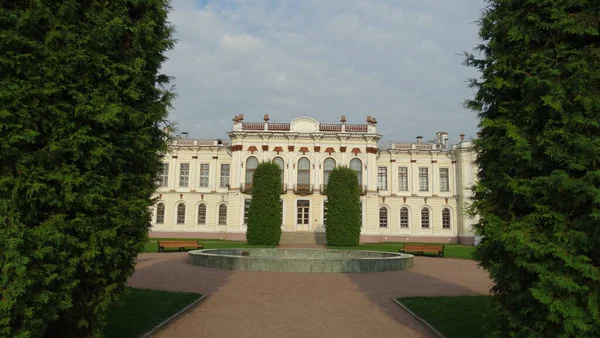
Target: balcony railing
246	188
303	189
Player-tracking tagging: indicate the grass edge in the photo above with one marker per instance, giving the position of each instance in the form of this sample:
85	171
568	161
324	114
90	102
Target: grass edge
162	324
438	333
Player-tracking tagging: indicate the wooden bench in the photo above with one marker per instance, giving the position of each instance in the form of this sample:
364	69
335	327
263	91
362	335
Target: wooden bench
419	249
180	245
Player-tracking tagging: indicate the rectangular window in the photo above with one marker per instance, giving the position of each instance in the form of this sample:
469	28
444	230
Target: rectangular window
303	207
444	180
204	175
164	175
246	209
224	175
324	212
423	179
382	178
184	174
281	213
402	179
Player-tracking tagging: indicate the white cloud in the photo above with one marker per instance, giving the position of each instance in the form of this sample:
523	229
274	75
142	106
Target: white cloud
395	60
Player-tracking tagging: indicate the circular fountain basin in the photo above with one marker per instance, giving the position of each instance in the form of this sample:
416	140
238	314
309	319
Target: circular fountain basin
300	260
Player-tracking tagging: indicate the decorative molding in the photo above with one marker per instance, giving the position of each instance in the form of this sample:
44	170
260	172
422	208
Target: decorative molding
237	147
404	199
453	162
371	150
252	149
392	160
433	161
413	161
194	157
317	149
446	200
215	157
174	156
330	150
343	149
265	147
304	150
356	151
278	150
290	148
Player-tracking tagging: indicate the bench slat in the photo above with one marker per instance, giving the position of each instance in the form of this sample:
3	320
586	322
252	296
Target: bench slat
178	244
422	248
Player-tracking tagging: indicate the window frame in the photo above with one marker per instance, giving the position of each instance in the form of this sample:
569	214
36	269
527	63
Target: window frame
204	177
184	175
386	218
423	178
224	179
382	182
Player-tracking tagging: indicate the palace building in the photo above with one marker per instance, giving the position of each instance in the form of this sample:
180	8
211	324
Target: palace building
413	191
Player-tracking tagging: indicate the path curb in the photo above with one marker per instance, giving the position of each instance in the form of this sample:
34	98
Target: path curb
438	333
168	320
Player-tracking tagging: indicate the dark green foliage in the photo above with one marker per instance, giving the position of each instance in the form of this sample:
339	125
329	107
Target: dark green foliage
342	227
264	215
538	194
81	104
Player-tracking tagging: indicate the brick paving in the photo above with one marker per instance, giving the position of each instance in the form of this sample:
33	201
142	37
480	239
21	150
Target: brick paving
276	304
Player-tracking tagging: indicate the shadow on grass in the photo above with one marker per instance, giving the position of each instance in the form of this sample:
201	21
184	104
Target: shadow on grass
454	317
141	310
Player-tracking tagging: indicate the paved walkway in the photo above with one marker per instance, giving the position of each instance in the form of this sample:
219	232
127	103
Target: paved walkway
277	304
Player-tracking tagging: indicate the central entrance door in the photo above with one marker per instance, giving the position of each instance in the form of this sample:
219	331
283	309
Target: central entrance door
303	215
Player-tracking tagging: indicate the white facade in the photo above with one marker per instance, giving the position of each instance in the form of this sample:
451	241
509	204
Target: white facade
410	191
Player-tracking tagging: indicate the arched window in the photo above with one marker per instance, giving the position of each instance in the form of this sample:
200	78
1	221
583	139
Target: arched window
304	174
202	213
424	217
404	217
181	213
160	213
446	218
383	217
356	165
328	167
251	164
223	214
279	161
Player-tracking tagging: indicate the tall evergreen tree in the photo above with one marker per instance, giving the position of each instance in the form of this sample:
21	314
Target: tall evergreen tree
264	216
538	190
342	227
81	104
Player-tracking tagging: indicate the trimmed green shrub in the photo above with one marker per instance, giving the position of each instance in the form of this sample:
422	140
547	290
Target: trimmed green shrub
81	109
342	227
264	215
538	194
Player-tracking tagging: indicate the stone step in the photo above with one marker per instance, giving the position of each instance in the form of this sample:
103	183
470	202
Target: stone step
303	237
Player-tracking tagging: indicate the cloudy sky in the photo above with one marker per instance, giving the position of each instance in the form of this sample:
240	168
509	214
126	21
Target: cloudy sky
397	60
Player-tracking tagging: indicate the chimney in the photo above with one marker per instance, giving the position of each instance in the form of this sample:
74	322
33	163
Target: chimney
419	139
462	136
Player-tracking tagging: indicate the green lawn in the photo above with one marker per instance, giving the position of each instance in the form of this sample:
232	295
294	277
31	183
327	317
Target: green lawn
451	250
152	246
454	317
141	310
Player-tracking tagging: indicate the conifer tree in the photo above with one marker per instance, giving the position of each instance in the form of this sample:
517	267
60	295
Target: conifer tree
342	227
264	215
538	190
82	102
